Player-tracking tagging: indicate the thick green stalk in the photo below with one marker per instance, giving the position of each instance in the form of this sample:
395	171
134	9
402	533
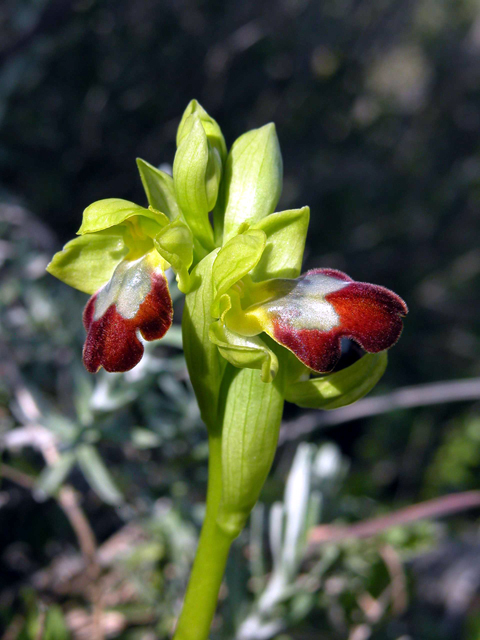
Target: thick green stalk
241	453
242	415
206	368
209	566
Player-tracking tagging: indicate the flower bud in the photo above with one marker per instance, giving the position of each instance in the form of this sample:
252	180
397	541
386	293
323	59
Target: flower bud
211	127
197	171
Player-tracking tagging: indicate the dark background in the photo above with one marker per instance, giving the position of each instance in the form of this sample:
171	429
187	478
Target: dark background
377	108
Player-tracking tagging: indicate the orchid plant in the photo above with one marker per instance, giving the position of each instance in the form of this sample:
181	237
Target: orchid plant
255	331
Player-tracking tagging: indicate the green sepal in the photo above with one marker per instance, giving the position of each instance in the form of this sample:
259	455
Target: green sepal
197	170
205	364
159	189
253	178
110	212
88	262
251	353
211	127
340	388
251	414
175	244
236	258
286	232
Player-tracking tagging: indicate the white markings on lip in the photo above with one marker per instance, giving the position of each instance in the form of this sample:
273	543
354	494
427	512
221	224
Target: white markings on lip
127	289
304	306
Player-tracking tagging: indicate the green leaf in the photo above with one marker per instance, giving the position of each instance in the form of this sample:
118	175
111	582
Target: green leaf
88	262
55	625
65	429
340	388
205	364
211	127
52	477
97	474
236	258
159	189
251	415
196	175
175	244
107	213
286	232
251	353
253	178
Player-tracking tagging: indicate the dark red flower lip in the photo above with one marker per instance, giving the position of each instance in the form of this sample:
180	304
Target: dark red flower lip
368	314
112	340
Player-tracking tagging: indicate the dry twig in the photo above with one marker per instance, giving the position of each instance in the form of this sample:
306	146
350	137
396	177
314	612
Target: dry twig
435	508
405	398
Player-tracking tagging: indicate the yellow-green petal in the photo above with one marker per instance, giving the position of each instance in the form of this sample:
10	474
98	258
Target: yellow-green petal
88	262
110	212
236	258
175	244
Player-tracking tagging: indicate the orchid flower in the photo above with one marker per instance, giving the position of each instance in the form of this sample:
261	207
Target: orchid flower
255	331
121	257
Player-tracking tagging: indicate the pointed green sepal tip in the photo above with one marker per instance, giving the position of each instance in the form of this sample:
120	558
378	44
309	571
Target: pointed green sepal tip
175	244
196	175
159	189
212	129
88	262
110	212
250	353
340	388
253	178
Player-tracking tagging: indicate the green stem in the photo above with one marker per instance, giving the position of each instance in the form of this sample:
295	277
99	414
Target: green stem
209	566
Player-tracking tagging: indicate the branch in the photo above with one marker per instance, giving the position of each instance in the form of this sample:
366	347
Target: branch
438	507
16	476
421	395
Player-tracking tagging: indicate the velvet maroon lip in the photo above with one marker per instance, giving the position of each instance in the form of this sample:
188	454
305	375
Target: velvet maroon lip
368	314
112	336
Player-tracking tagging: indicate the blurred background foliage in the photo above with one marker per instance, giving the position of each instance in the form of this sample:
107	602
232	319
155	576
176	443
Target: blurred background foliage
377	107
